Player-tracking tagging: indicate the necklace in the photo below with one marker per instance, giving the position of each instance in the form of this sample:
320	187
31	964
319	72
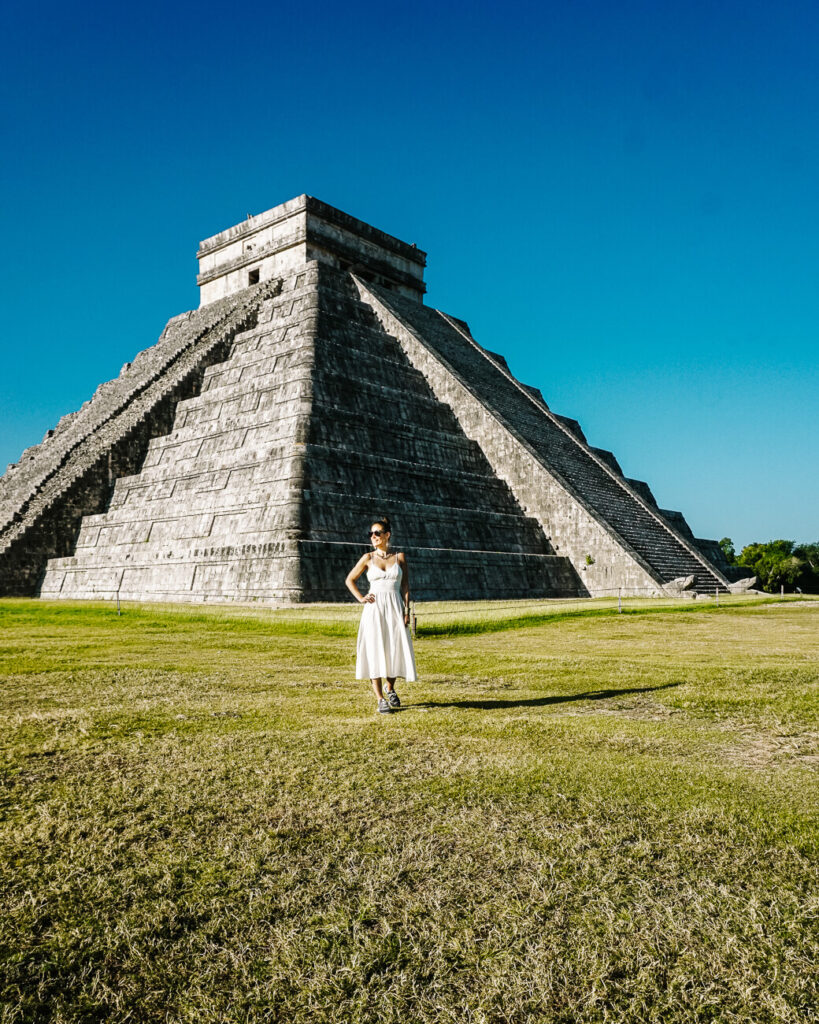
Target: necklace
385	555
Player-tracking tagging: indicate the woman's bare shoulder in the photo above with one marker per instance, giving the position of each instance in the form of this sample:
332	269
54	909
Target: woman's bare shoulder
402	558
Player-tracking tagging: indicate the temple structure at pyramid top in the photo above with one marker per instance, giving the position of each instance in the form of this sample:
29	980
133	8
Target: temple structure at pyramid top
244	456
277	242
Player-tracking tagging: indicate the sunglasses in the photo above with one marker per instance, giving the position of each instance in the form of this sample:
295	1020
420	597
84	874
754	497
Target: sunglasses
377	533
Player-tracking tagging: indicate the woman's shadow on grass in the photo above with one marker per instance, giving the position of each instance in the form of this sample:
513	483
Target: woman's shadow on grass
539	702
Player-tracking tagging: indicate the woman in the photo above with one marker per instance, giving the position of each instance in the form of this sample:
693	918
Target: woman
384	649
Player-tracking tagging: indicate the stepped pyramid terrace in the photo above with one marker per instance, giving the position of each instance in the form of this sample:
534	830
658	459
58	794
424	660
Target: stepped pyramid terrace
243	456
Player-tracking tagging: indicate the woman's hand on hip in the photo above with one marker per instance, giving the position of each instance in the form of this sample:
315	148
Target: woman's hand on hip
368	599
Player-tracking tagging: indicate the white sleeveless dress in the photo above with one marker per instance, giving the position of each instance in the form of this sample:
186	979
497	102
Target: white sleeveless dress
384	648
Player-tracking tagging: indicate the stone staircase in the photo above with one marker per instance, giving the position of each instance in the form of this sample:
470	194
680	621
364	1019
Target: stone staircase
214	506
45	495
590	478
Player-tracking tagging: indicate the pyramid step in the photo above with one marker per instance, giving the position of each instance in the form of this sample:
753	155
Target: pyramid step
335	469
404	441
338	517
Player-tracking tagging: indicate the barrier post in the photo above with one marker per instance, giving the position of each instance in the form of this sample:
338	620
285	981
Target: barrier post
619	602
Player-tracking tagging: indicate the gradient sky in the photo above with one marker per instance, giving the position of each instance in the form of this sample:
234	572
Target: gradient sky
620	197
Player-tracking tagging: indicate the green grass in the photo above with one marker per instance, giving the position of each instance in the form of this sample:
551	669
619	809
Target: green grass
579	816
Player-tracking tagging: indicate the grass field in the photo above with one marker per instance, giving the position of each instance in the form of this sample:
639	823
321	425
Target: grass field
578	817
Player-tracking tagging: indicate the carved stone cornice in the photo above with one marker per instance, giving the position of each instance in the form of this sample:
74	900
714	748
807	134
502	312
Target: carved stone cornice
250	256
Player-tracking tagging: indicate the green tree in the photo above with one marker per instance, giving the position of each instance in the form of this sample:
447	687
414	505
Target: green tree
781	563
810	552
728	550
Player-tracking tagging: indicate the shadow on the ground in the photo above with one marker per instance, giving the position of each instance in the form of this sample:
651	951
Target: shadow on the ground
539	702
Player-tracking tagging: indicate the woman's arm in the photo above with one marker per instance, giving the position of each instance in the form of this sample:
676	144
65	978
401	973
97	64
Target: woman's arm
353	575
402	561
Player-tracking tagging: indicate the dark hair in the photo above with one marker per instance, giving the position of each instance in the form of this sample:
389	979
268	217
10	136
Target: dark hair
383	522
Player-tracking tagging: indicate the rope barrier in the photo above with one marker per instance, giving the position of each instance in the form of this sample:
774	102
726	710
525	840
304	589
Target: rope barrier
513	607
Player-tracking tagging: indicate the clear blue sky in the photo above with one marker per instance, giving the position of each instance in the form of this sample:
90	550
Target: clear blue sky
620	197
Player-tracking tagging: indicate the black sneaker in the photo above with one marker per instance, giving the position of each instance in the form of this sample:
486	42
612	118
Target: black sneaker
392	697
384	707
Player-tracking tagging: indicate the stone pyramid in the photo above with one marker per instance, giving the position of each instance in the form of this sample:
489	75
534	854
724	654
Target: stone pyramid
243	457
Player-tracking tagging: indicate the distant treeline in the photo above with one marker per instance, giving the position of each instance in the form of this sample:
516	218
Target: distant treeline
779	563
